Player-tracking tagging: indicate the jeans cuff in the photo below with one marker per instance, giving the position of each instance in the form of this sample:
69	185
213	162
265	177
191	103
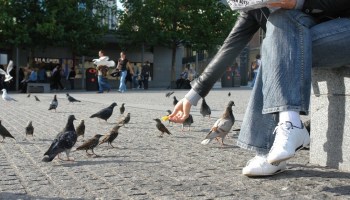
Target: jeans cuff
257	150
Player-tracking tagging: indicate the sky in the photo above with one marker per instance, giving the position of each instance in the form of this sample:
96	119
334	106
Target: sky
119	5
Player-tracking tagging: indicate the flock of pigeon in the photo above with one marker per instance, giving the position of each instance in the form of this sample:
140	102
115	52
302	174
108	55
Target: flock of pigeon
66	139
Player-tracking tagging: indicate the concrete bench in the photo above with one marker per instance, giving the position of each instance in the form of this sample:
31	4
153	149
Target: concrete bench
38	87
330	118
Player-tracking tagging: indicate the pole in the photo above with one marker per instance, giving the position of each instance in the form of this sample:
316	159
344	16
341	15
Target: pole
17	68
83	72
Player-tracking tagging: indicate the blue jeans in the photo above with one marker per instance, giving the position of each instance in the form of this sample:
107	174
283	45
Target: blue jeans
122	86
103	83
294	44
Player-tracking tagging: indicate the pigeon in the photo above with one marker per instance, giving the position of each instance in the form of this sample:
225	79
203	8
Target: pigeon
6	97
28	95
90	144
110	137
307	125
169	94
175	101
205	109
161	127
124	120
71	99
105	113
54	103
169	112
222	126
229	94
36	98
188	122
122	109
4	132
29	129
81	128
63	142
8	77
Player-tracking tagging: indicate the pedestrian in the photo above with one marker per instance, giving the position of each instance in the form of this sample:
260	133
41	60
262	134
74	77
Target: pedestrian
295	42
56	77
255	67
71	77
124	66
145	74
102	73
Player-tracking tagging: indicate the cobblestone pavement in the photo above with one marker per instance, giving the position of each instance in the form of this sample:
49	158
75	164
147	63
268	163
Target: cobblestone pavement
145	166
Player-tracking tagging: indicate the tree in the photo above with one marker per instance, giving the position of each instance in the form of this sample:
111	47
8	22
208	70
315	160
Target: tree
201	24
34	24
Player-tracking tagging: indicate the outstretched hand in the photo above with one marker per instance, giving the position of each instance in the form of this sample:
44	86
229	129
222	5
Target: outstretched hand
181	111
285	4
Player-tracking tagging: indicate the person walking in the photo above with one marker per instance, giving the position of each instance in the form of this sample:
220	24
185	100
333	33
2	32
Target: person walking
102	70
145	74
71	77
124	66
255	67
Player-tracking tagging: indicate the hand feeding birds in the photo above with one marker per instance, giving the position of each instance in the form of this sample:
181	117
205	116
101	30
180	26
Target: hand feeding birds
8	77
105	113
63	142
222	126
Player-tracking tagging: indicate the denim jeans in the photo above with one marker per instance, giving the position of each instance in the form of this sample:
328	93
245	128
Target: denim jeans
294	44
122	86
102	83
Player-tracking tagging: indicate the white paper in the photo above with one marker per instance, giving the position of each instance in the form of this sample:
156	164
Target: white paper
248	4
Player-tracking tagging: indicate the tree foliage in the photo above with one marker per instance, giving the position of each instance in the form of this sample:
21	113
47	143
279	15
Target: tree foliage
200	24
42	23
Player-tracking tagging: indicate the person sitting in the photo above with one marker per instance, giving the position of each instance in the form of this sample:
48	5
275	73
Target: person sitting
32	78
182	79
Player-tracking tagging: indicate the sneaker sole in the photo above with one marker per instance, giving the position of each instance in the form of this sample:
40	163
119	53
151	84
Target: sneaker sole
265	175
287	158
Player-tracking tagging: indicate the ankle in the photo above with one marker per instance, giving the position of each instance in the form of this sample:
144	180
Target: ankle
290	116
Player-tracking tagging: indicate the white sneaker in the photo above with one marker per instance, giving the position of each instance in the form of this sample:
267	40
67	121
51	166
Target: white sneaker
288	140
258	166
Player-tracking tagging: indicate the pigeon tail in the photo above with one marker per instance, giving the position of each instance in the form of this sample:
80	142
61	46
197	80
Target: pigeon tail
206	141
94	115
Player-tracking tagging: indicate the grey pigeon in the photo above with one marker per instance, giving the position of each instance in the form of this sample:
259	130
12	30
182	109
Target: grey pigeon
4	132
6	97
124	119
105	113
160	126
36	98
229	94
175	101
122	109
71	99
54	103
111	136
63	142
81	128
29	129
168	94
187	122
205	109
222	126
90	144
28	95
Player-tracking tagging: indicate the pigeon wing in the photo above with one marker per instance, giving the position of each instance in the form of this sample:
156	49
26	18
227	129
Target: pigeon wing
2	72
9	67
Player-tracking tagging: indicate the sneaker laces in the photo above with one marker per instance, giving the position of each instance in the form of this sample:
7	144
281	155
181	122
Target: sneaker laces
282	131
